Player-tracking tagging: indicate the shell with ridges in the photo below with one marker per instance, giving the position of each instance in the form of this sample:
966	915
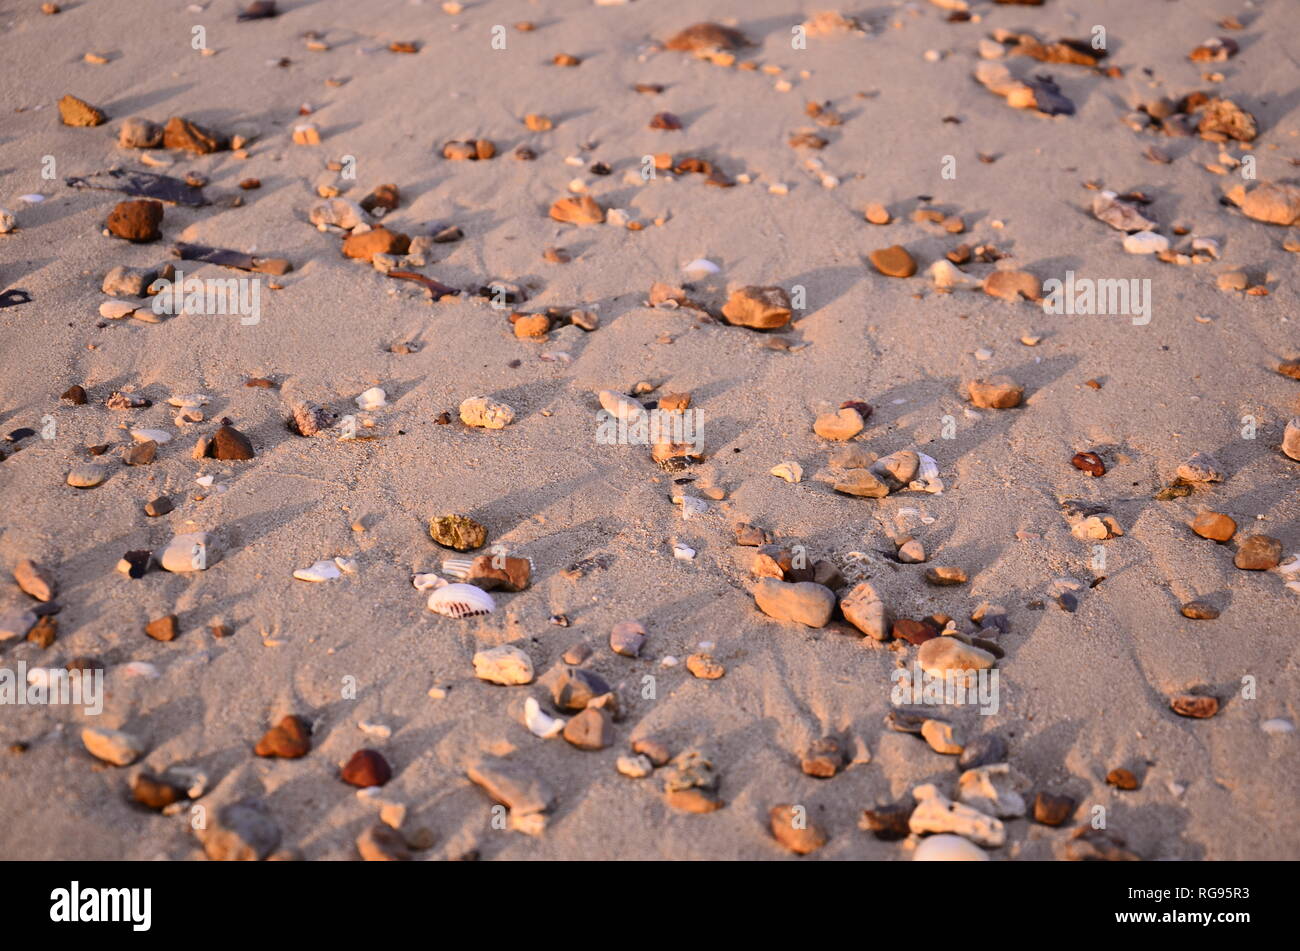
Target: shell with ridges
461	601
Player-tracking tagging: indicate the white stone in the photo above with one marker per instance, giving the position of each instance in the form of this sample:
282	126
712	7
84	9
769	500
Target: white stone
112	746
320	571
195	551
506	665
540	723
1146	242
160	436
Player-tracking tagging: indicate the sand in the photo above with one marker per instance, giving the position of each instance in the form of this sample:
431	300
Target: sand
1081	692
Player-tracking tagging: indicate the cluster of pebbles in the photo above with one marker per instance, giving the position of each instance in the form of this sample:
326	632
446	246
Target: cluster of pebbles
570	702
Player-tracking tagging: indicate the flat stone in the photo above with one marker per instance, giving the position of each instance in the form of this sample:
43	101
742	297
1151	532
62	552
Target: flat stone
887	823
1214	526
241	832
35	580
1197	707
863	608
1202	467
893	261
574	688
181	133
634	767
861	483
512	784
77	112
87	475
112	746
944	575
942	737
840	425
627	638
364	245
1258	553
997	392
162	629
578	210
806	602
759	308
948	653
1200	611
506	665
592	729
793	829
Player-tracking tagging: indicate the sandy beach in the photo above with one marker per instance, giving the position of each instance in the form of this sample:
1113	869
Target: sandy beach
749	161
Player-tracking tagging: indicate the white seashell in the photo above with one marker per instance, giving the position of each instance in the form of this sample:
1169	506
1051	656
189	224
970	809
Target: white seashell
321	571
375	729
346	565
461	601
948	848
188	402
540	723
683	553
701	266
372	398
790	471
946	274
139	668
427	581
927	476
160	436
32	199
668	661
621	407
457	567
1277	726
205	480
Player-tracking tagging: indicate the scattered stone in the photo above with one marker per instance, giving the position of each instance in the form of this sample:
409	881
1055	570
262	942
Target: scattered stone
707	39
288	739
634	767
704	667
805	602
380	843
364	245
758	308
942	737
366	768
76	112
997	392
163	629
627	638
241	832
948	653
1122	778
1258	553
1291	439
141	454
791	471
887	823
574	688
459	532
935	812
1051	809
75	394
824	758
945	575
136	220
894	261
1274	203
500	573
1214	526
87	475
1146	242
112	746
1120	215
994	789
592	729
486	413
1202	467
656	752
1095	845
792	828
1012	285
180	133
1195	706
35	580
690	784
154	793
841	425
878	214
863	608
43	633
513	785
984	749
1200	611
195	551
504	665
1223	119
229	444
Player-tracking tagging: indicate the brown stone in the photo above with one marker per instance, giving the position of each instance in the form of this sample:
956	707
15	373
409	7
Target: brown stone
577	210
180	133
365	245
1051	809
759	308
381	843
592	729
704	667
1200	611
794	830
76	112
1194	706
366	768
877	214
75	394
915	633
839	426
1258	553
229	443
1214	526
384	197
862	483
532	325
288	739
155	793
500	573
136	220
693	799
159	506
824	758
1089	462
705	38
141	454
997	392
887	823
1122	778
945	575
44	632
163	629
894	261
1012	285
573	688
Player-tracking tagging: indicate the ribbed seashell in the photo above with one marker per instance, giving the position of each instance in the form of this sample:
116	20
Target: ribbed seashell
927	476
461	601
457	567
621	406
427	580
